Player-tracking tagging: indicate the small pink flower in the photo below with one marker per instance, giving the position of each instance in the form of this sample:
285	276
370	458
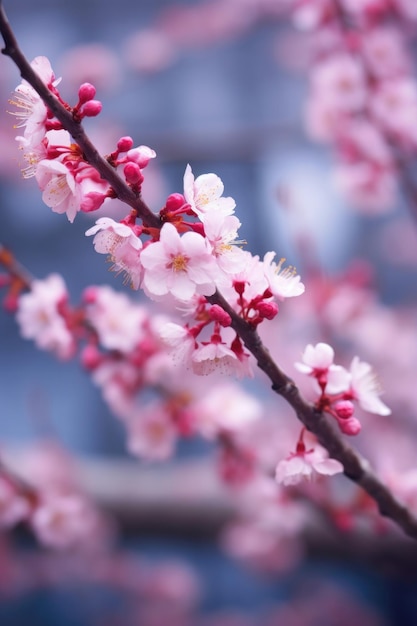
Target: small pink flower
221	231
284	283
318	362
121	244
179	341
302	464
116	319
204	194
31	109
39	319
340	80
181	266
365	388
215	357
151	434
63	521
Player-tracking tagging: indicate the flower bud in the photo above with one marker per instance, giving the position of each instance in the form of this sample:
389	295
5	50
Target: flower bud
86	92
91	357
133	174
344	409
91	108
267	310
351	426
218	314
174	202
124	144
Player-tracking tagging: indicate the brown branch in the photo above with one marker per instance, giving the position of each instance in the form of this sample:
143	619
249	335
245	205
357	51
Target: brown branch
355	467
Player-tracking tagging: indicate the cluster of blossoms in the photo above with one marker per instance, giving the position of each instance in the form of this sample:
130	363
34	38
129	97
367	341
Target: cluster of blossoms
338	388
46	497
363	95
183	258
68	182
195	252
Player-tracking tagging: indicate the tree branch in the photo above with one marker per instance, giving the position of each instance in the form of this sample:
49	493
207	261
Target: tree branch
355	467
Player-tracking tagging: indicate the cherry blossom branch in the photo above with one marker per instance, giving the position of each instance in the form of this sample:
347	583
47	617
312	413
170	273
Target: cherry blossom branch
355	467
74	127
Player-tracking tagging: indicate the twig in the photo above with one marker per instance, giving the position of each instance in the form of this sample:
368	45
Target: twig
355	467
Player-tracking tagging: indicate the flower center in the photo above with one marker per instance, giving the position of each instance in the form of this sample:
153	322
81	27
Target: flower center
179	263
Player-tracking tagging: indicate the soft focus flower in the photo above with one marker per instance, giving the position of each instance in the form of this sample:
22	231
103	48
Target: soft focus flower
302	464
40	320
121	244
115	318
365	388
64	521
151	433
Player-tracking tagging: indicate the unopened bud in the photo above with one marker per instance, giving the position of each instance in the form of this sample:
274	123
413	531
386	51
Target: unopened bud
268	309
91	357
133	174
218	314
239	286
344	409
90	295
124	144
86	92
351	426
174	202
91	108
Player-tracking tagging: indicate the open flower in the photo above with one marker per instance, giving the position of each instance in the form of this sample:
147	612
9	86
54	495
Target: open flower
121	244
302	464
32	112
204	193
182	266
284	283
365	388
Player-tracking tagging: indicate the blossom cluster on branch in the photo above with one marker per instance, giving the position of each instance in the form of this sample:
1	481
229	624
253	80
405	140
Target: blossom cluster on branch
189	258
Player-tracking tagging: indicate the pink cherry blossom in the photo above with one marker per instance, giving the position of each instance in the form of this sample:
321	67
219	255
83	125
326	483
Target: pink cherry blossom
221	231
225	407
365	388
60	191
302	464
204	194
283	283
116	319
341	81
179	341
39	319
32	111
318	362
121	244
215	357
64	521
181	266
151	433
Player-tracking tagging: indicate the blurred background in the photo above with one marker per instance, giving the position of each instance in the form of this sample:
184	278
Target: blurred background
228	99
